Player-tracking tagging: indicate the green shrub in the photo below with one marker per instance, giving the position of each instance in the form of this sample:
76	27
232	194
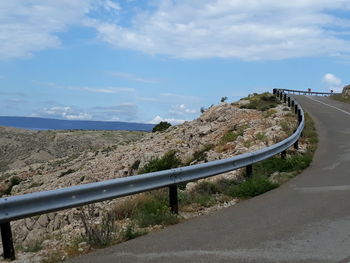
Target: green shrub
200	155
252	187
167	161
154	211
162	126
261	102
231	136
130	232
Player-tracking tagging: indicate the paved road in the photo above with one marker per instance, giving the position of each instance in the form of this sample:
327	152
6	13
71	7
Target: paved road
305	220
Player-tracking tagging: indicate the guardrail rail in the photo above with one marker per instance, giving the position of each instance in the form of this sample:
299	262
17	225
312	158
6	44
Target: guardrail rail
23	206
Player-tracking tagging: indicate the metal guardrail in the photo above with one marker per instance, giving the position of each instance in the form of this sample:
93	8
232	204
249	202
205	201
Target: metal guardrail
22	206
309	92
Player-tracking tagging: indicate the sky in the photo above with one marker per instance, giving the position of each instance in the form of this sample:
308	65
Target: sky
162	60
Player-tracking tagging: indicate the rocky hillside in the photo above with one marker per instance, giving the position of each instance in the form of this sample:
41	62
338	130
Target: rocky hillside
20	148
221	131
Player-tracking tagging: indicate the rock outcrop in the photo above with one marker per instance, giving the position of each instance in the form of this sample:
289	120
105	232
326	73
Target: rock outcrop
346	92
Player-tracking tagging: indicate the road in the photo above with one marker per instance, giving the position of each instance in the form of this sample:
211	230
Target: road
306	220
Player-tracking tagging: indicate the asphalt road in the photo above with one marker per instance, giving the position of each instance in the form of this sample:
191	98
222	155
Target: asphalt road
305	220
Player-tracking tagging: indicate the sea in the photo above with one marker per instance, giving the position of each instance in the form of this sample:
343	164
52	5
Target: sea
34	123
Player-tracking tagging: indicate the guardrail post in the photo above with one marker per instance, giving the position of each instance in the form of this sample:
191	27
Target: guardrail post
288	99
173	199
284	154
300	118
285	98
7	241
274	91
249	171
295	108
281	95
293	104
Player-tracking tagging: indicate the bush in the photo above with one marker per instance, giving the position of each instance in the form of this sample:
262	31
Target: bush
162	126
252	187
154	211
98	235
167	161
261	102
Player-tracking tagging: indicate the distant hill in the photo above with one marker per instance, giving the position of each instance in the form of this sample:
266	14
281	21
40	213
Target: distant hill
55	124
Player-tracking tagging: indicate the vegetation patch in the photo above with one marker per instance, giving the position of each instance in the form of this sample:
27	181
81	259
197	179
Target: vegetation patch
341	98
162	126
167	161
261	102
252	187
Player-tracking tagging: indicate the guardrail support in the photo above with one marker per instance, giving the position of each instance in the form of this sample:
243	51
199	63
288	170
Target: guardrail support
288	99
284	155
7	241
295	109
300	118
249	171
173	199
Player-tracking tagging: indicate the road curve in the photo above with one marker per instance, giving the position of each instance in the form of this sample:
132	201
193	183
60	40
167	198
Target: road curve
305	220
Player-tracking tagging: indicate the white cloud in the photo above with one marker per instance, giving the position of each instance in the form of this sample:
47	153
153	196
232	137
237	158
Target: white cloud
29	26
129	76
181	109
333	82
64	112
105	90
173	121
2	77
248	30
112	5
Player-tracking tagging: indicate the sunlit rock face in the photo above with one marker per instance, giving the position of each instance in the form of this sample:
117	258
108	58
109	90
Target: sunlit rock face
346	91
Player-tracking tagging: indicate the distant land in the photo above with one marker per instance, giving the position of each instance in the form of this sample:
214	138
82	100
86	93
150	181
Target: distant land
34	123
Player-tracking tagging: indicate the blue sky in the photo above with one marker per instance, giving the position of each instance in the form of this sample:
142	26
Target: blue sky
147	61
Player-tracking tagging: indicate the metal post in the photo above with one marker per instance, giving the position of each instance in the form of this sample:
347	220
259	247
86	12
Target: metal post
284	155
300	118
249	171
173	199
285	98
292	103
288	101
7	241
296	109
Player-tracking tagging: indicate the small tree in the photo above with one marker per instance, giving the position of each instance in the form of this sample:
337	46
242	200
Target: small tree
162	126
223	99
202	109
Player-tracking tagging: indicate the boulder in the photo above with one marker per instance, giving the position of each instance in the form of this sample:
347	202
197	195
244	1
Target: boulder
346	92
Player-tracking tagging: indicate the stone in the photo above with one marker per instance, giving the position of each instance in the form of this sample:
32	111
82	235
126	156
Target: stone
346	91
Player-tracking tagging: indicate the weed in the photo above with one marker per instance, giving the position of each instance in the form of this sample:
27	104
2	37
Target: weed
252	187
35	247
167	161
260	136
200	155
130	232
154	211
98	235
230	136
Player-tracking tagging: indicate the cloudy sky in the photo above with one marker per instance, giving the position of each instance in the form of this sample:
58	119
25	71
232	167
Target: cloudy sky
150	60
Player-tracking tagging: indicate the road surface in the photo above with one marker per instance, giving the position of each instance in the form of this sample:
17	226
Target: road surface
305	220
